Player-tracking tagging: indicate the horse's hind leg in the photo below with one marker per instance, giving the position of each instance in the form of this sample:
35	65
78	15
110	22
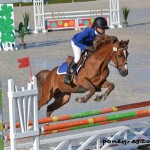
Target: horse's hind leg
110	87
60	100
46	95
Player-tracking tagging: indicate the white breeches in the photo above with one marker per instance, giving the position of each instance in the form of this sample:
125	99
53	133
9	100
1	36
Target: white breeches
77	52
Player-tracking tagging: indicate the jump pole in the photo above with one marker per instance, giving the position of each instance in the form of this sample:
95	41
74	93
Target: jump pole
126	115
7	137
85	114
90	125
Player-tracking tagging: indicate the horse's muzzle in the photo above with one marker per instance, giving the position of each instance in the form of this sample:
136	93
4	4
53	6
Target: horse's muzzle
123	72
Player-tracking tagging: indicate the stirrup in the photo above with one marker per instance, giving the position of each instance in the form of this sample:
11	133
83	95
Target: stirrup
66	80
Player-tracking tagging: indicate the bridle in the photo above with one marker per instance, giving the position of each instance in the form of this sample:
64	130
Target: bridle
115	49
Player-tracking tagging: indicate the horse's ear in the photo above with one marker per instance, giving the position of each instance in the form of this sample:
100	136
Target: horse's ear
127	41
121	42
117	44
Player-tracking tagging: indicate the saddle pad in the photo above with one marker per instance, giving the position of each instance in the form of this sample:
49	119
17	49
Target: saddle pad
62	69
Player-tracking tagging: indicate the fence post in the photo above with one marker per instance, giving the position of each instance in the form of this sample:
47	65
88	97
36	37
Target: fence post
39	20
114	14
36	116
12	115
21	101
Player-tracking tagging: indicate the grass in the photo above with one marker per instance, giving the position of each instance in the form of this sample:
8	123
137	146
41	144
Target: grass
1	144
22	4
50	2
0	98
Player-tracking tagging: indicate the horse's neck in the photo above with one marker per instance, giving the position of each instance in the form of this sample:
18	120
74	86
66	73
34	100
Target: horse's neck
99	57
96	62
104	52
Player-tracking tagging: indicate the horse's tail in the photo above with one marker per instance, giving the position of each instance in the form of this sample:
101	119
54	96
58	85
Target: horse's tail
41	77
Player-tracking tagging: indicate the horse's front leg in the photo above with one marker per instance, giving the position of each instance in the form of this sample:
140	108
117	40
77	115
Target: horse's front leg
103	97
89	86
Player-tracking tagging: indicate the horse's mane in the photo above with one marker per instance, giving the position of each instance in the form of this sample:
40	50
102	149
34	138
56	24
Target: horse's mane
101	40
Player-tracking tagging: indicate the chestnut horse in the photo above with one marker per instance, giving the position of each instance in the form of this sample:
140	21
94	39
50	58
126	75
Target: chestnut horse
91	76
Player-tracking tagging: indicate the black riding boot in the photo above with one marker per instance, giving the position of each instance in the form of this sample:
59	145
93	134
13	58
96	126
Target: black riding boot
69	71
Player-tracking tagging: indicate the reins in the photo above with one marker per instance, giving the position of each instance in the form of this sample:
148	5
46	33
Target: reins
107	60
114	53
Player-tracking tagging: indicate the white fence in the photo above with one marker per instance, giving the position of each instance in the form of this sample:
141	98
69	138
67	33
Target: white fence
39	22
25	103
114	13
73	19
103	139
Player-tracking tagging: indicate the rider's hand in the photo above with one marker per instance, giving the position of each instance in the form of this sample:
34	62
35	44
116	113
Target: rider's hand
90	48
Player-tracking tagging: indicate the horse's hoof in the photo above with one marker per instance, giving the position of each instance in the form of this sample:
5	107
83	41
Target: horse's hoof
77	99
97	98
80	100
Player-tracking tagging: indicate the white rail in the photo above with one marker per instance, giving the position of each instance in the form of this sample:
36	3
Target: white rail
116	138
23	99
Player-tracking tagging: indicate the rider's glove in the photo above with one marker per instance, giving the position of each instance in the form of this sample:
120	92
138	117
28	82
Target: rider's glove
90	48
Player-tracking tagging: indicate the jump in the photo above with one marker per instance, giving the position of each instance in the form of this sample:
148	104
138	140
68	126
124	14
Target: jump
91	76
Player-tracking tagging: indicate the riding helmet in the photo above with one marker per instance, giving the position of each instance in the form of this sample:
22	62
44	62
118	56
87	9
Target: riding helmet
101	23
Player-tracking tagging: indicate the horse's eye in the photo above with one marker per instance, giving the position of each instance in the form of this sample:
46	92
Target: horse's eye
119	56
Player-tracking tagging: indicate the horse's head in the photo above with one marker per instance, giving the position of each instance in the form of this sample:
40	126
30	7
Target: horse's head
111	48
120	57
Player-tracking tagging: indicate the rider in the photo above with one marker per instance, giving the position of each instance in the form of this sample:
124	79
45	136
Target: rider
84	41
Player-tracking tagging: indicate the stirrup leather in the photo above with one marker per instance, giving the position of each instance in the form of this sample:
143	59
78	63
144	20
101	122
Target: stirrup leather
69	72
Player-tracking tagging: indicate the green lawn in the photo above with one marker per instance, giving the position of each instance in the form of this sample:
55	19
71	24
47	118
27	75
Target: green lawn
0	98
52	2
1	144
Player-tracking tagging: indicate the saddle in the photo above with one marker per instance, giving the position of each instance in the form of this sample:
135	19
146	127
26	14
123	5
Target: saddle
69	59
62	69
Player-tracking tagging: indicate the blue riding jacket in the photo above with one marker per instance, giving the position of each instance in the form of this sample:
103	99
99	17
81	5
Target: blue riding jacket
84	38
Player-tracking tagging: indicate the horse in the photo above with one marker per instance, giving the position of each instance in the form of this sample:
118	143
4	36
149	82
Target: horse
91	77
